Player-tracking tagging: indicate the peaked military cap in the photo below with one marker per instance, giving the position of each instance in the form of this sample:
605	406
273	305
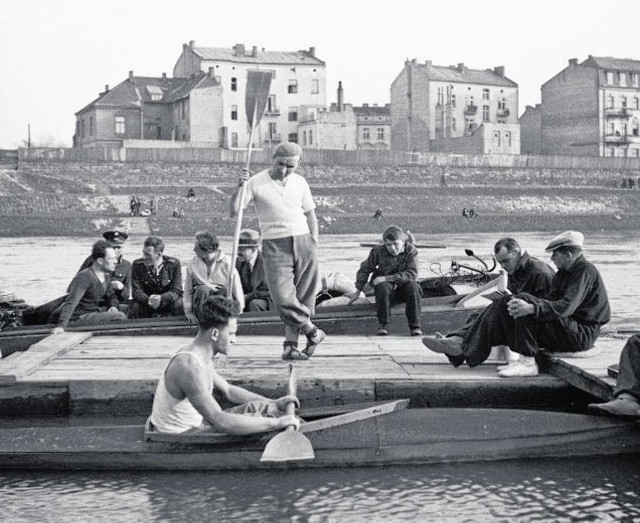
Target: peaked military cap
115	237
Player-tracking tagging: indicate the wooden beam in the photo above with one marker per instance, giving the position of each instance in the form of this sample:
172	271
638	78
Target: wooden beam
22	364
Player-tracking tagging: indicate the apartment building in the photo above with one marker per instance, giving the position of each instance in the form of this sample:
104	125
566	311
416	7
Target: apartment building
593	108
454	109
531	130
298	86
373	126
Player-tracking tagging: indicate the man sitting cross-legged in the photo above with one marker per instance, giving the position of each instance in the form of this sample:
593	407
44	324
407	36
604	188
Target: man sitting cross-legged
524	274
183	400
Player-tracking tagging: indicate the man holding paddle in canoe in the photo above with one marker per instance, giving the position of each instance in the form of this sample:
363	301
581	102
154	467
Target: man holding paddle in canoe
183	400
286	212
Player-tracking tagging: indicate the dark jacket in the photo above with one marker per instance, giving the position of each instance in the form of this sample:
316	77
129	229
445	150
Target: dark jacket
168	284
121	274
381	262
254	284
531	275
86	294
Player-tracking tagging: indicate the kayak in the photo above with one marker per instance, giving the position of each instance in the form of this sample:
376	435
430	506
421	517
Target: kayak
396	436
443	308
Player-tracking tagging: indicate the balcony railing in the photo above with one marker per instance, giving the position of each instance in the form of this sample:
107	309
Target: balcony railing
503	113
617	112
272	111
471	109
617	138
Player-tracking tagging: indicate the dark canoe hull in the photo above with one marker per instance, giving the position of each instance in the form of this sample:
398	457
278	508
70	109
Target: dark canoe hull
415	436
437	314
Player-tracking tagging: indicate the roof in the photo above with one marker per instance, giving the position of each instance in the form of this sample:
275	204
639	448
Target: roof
361	111
223	54
453	74
608	62
129	92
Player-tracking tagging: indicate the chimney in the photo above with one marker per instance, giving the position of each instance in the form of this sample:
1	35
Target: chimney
312	51
210	72
131	76
164	76
106	88
238	50
414	61
365	105
254	51
427	62
191	44
333	107
375	105
460	67
499	70
184	47
340	97
573	61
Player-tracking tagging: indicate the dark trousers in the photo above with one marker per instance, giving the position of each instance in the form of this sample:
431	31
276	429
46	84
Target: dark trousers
629	372
526	335
388	294
257	305
142	310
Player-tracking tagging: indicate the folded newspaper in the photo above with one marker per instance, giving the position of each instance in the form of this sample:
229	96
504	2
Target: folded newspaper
497	295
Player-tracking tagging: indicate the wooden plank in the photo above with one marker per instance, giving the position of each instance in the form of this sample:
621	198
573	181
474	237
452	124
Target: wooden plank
40	354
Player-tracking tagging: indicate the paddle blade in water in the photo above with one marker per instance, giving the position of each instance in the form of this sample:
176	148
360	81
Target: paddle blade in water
255	101
288	446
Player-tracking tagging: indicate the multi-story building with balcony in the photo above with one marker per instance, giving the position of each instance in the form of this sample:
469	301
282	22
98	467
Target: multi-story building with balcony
593	108
455	109
298	85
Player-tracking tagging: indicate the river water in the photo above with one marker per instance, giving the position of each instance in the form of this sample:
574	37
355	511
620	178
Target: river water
39	269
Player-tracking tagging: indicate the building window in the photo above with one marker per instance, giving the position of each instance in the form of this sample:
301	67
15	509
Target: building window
612	128
183	105
624	129
635	129
293	137
271	104
119	124
273	130
610	101
485	94
453	101
612	151
623	102
304	138
623	79
636	103
234	84
292	88
496	138
234	139
310	137
610	77
469	124
454	126
485	113
440	96
507	138
635	153
90	125
634	81
366	135
502	104
380	133
315	86
82	127
471	100
293	114
234	112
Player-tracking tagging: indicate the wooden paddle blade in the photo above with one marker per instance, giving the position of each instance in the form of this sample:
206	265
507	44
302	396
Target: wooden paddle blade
257	94
289	445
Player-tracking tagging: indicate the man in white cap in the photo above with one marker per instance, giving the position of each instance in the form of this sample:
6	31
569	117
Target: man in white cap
568	319
286	212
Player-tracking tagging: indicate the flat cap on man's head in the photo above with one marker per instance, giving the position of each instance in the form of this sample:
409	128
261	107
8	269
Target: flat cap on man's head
249	238
288	150
566	239
115	237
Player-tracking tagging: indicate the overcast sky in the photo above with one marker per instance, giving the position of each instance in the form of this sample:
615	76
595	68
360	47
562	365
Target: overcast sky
57	55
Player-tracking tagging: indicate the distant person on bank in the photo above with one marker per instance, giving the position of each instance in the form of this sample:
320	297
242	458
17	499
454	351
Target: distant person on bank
393	269
250	267
209	267
156	280
91	299
184	400
286	212
524	274
568	319
626	395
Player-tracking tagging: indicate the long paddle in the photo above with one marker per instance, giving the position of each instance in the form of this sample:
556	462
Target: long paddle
255	102
289	445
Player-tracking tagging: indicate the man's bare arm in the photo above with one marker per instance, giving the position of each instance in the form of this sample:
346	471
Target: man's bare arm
235	202
312	220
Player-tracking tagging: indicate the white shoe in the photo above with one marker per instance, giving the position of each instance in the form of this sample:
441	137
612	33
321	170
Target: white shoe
520	369
508	365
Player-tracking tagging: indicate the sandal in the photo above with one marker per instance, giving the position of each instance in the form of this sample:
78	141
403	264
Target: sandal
291	352
314	338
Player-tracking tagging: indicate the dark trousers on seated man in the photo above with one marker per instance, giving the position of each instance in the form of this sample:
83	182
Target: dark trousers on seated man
525	335
388	294
142	310
629	369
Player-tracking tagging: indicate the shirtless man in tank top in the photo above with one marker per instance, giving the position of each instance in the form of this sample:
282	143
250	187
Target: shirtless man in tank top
183	400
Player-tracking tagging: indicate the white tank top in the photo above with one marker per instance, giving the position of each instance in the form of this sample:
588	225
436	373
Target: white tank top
169	414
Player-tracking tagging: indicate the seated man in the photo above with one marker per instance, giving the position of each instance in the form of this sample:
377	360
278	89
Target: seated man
567	320
156	280
626	402
183	400
394	277
209	267
524	274
251	270
91	299
121	277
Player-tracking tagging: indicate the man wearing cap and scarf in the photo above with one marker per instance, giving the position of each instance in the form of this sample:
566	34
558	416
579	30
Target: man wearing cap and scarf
121	277
286	212
568	319
250	267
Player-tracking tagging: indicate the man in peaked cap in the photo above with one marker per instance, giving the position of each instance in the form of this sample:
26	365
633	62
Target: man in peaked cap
121	277
568	319
286	212
250	267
